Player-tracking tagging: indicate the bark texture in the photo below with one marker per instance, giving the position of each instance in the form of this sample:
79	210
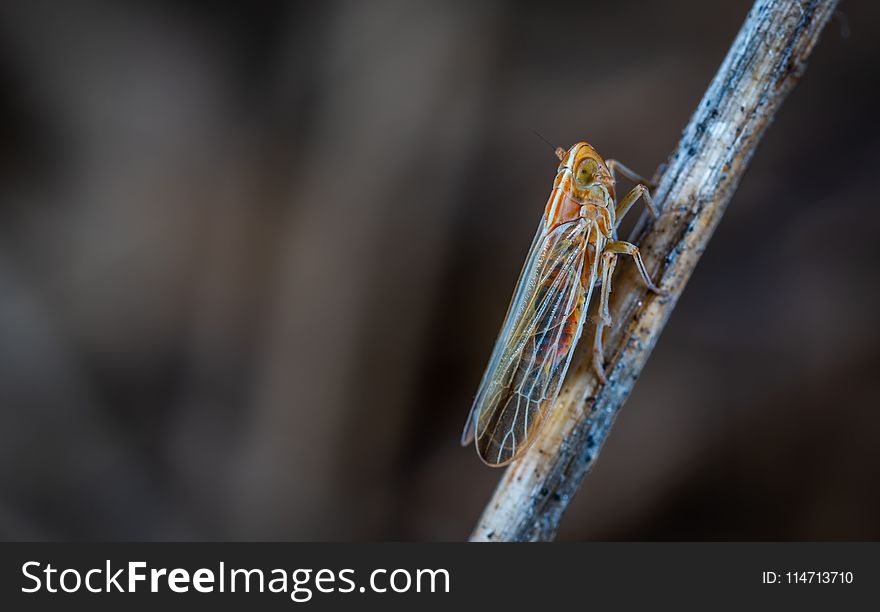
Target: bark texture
762	66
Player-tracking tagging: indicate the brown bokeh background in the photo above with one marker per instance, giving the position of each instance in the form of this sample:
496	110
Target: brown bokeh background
253	258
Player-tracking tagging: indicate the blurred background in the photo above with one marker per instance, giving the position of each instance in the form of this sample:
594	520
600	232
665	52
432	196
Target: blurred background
253	258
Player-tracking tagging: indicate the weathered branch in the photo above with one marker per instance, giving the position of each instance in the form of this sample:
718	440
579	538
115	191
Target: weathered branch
764	63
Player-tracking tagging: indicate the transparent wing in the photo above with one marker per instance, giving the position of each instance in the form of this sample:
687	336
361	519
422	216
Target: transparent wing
535	346
517	303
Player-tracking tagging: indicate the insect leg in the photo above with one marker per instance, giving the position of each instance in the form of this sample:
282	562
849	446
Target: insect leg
639	191
615	166
621	247
603	320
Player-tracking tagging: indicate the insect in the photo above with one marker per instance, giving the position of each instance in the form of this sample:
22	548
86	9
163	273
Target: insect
574	250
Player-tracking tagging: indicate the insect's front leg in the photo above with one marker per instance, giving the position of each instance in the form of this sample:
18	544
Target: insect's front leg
639	191
615	166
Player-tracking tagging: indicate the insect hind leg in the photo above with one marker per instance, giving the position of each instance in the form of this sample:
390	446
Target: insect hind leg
603	319
611	252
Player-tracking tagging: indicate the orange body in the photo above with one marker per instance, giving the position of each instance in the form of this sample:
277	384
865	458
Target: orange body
548	309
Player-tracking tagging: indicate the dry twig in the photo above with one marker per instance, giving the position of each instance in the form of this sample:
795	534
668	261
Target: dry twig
764	63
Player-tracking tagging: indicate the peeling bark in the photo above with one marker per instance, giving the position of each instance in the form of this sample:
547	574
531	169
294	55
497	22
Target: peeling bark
763	65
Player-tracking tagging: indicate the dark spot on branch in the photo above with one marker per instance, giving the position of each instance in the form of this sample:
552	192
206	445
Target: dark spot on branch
761	67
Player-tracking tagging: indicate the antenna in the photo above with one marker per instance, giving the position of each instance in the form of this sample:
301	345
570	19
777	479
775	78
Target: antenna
560	152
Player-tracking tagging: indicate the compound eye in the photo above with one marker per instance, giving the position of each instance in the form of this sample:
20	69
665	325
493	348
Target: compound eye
585	173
